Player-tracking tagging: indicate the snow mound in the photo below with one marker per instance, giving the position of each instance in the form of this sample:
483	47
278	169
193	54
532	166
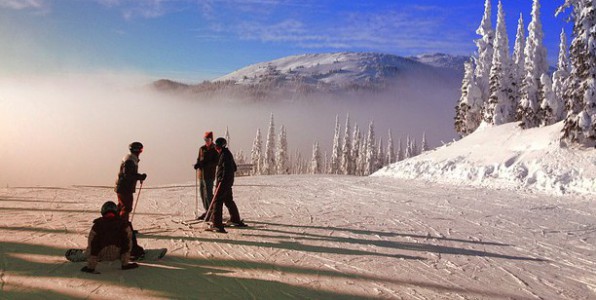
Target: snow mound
506	157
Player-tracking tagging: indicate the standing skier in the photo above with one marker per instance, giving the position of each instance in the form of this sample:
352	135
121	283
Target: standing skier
205	166
110	239
225	180
127	179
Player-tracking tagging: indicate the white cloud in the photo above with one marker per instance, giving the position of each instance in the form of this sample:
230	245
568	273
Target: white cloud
23	4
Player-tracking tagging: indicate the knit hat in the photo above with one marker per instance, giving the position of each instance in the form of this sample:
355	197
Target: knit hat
208	135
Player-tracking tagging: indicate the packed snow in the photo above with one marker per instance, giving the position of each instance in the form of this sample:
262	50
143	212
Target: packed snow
311	237
506	156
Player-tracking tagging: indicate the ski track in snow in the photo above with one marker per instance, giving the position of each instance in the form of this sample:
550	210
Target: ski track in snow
312	237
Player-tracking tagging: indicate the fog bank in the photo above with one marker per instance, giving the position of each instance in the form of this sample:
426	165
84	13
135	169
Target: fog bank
75	129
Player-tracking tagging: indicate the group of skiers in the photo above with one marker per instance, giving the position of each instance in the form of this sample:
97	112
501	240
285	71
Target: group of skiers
112	236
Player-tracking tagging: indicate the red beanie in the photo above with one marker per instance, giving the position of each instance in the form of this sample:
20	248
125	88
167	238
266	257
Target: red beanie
208	135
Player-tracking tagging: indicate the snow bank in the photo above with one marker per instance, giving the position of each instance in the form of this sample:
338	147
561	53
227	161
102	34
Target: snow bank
506	157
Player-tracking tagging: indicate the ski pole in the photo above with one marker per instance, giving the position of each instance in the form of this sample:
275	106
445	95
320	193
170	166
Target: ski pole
196	193
212	202
132	215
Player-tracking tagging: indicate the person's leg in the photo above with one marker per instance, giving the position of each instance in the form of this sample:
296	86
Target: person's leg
232	208
204	194
125	205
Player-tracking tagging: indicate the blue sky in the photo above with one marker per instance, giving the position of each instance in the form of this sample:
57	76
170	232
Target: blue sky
193	40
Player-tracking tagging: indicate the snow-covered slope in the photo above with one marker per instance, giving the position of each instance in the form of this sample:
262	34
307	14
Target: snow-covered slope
311	237
339	69
506	157
333	75
442	60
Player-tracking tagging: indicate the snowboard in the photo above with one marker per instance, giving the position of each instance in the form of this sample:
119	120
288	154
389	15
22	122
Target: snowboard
78	255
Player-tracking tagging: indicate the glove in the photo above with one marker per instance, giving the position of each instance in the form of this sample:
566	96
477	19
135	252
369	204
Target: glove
143	177
197	166
89	270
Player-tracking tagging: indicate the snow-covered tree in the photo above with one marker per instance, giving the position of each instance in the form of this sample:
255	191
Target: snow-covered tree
346	150
370	155
580	88
390	150
256	155
227	136
423	144
518	61
334	164
485	52
500	107
535	66
551	107
400	151
282	157
380	155
356	138
316	163
269	159
239	157
562	73
408	148
468	110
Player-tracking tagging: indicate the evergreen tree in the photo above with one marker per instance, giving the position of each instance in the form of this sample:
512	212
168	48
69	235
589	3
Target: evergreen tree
370	157
518	62
390	149
580	88
424	144
468	111
500	107
485	52
357	137
346	150
400	151
535	66
336	151
563	68
316	164
282	153
227	136
408	148
551	107
269	160
256	158
380	155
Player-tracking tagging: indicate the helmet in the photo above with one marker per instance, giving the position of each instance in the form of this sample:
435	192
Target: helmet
109	207
221	142
135	147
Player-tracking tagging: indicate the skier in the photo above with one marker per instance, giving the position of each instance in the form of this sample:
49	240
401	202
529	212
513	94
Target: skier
110	239
205	166
225	180
126	187
127	179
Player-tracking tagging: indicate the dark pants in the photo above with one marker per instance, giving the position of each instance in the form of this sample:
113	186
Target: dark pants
224	196
125	205
206	192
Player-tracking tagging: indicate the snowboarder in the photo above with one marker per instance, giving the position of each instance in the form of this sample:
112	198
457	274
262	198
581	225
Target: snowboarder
127	179
110	239
205	166
223	193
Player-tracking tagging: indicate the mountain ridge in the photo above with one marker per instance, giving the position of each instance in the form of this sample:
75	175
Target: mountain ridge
336	73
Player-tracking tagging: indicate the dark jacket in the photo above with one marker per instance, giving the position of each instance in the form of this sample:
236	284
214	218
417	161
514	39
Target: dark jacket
226	167
109	231
207	162
128	175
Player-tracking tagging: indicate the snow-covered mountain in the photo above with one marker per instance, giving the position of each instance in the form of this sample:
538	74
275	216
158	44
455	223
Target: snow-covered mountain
331	73
442	60
506	157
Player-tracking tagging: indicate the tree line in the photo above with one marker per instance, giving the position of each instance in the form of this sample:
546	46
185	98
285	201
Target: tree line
499	87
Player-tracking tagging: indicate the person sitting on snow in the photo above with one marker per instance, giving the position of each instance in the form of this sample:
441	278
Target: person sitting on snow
110	239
